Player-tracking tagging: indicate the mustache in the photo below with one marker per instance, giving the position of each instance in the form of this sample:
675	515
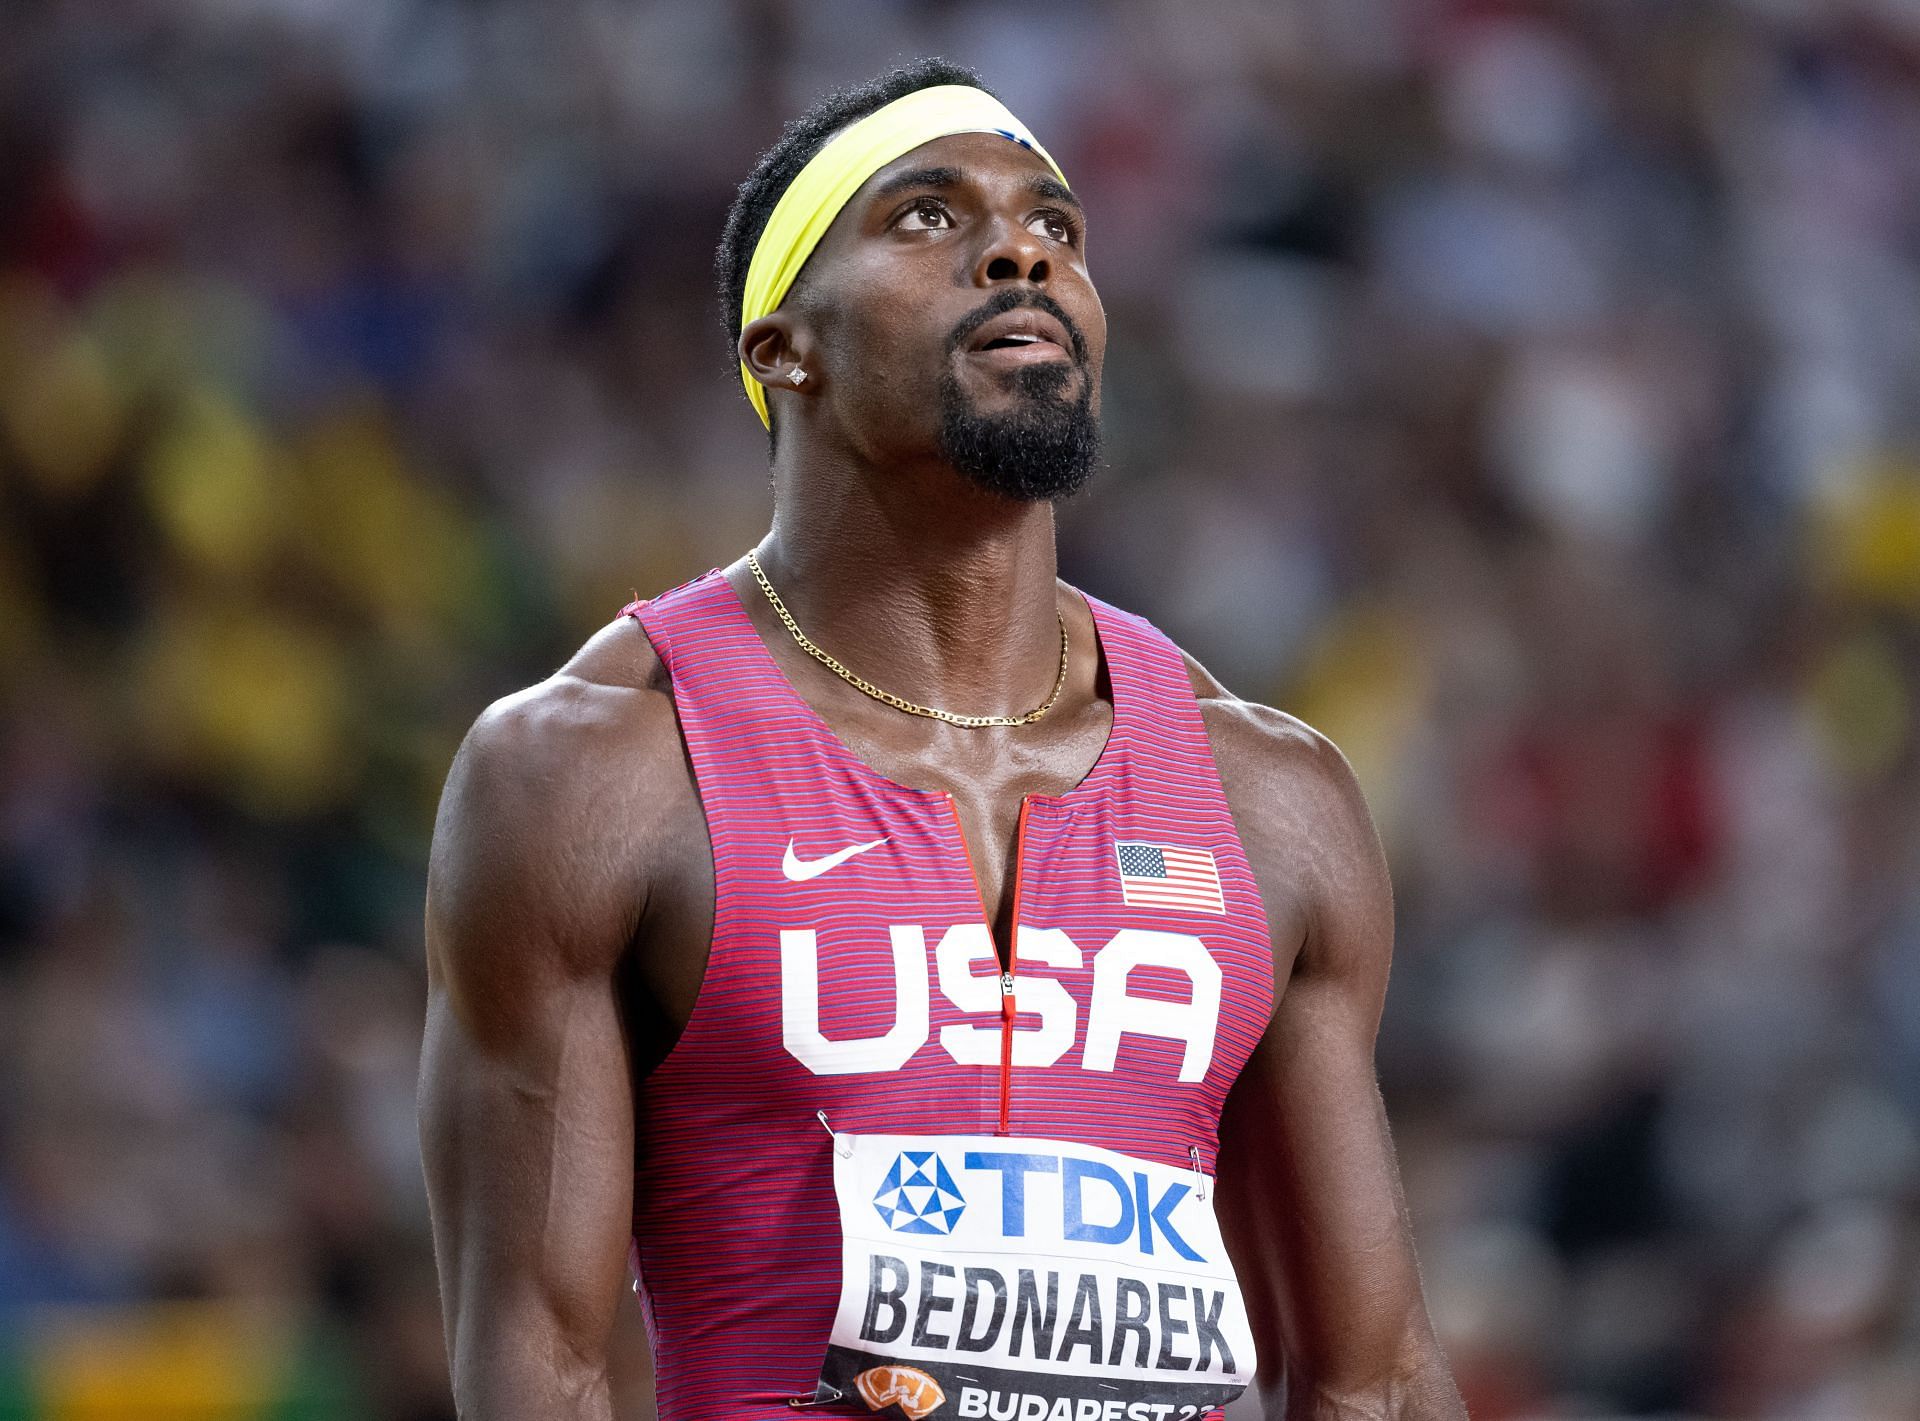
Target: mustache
1012	299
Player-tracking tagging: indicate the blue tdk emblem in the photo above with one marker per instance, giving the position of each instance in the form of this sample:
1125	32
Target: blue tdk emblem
918	1196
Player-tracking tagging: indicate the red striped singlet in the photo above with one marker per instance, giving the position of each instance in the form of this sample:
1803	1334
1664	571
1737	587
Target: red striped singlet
736	1232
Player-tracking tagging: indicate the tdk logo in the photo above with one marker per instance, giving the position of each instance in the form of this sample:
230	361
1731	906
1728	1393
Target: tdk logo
1089	1190
1097	1203
918	1195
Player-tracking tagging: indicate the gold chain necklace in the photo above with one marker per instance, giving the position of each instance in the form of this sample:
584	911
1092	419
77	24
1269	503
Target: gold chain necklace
971	722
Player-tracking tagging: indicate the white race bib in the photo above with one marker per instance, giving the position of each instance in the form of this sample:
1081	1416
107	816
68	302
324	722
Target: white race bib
1030	1280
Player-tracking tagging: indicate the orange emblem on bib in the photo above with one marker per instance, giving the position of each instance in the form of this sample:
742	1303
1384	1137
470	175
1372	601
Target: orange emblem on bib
909	1388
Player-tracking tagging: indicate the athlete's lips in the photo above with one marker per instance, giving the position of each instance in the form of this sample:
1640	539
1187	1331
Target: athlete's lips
1021	335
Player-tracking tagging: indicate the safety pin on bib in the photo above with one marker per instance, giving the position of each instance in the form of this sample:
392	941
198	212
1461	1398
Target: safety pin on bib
1193	1153
842	1144
799	1401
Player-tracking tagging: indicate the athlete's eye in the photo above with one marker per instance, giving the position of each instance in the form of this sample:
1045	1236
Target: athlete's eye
1054	226
929	214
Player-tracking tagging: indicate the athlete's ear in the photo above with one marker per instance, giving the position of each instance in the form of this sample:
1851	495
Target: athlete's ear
772	348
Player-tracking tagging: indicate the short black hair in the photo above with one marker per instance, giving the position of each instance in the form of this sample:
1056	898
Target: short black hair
798	142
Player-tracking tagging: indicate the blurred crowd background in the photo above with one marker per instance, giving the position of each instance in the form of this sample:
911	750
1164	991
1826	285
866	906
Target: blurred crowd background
1526	394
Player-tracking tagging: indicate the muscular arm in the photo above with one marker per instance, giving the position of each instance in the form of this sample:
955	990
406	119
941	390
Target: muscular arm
1309	1194
526	1111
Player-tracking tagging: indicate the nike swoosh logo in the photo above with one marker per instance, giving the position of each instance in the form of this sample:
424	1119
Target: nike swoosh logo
800	870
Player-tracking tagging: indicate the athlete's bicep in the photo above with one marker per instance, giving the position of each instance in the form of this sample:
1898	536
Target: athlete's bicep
526	1107
1309	1193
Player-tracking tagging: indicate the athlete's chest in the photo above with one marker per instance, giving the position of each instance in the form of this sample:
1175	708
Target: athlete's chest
853	967
858	877
990	910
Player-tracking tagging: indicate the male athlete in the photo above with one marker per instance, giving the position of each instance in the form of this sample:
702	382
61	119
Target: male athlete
956	1002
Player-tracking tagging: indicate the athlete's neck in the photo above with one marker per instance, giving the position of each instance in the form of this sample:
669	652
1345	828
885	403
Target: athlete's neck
938	590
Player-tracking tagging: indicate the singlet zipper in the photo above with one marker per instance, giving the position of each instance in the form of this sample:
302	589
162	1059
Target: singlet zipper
1006	1049
1007	1009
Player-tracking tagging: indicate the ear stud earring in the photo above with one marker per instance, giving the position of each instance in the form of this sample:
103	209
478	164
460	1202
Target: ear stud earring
797	376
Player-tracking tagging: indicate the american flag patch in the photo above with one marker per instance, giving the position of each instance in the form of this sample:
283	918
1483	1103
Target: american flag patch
1162	876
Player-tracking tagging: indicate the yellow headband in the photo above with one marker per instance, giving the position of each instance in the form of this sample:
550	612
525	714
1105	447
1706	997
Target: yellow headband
834	174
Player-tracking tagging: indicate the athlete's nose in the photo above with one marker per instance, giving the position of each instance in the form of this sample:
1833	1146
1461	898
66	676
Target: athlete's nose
1011	253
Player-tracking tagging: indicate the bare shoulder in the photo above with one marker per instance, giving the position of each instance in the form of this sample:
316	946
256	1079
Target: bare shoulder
556	810
1304	823
577	739
1268	758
